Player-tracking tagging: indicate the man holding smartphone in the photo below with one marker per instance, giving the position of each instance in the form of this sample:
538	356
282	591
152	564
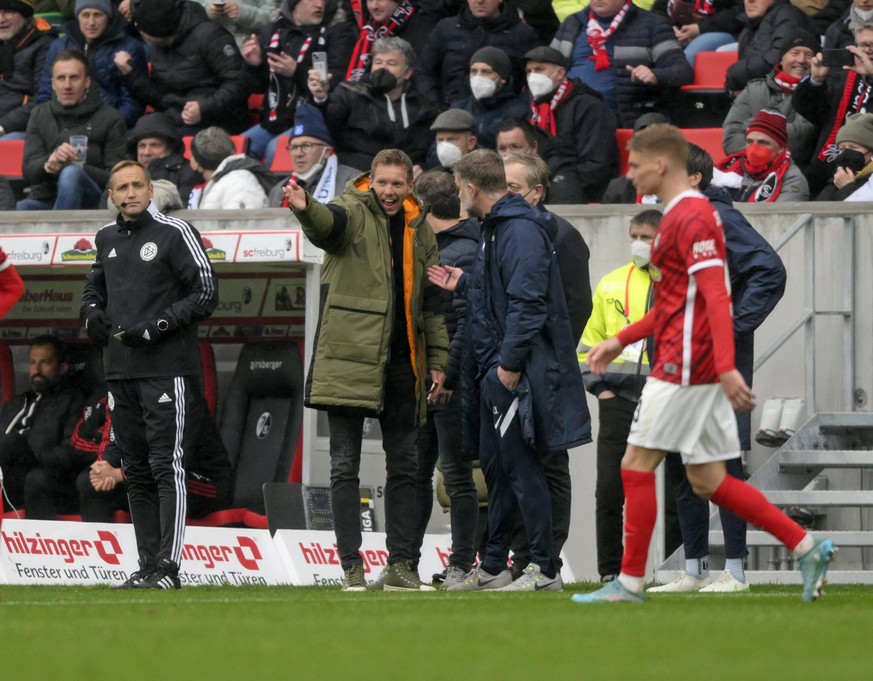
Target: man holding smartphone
151	282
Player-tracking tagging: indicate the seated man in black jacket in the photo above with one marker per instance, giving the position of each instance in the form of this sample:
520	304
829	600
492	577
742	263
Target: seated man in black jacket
35	450
155	143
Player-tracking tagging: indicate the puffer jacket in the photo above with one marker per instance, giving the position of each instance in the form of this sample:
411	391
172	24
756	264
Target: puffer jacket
642	38
442	71
236	186
518	320
101	62
357	300
761	41
764	93
51	124
19	82
202	64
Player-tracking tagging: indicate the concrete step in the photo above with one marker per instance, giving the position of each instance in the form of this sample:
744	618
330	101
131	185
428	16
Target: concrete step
825	458
757	538
846	497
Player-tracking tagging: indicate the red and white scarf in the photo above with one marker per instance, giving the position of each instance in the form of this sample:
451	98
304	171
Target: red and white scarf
370	33
730	172
785	81
702	7
597	37
274	87
856	94
543	114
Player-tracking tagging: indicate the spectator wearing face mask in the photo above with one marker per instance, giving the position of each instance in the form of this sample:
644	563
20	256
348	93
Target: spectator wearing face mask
577	127
764	171
851	181
455	137
492	100
380	111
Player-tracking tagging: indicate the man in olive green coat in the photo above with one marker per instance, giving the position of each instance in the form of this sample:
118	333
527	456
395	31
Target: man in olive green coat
380	336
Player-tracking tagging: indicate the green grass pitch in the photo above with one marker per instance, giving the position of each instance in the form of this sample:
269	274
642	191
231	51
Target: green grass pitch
306	634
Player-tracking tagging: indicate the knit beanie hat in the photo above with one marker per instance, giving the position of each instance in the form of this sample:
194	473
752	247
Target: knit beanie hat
308	122
496	59
800	39
858	129
100	5
158	18
211	146
23	7
771	123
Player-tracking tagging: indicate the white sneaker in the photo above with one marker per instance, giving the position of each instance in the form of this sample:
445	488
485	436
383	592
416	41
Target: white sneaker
684	583
725	584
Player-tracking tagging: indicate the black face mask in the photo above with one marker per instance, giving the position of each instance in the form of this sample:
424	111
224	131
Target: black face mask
382	81
851	159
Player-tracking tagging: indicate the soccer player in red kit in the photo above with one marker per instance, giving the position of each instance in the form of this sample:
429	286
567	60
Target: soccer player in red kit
688	401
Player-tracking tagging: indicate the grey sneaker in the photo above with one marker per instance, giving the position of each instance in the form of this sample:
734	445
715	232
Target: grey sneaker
533	579
401	577
353	578
454	575
379	582
479	580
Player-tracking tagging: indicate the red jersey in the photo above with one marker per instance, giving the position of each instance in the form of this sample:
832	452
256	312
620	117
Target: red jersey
690	239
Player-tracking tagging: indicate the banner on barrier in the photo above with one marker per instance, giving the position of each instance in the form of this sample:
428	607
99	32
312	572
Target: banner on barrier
49	552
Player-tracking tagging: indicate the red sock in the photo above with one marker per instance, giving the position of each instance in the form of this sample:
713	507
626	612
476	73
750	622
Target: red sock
753	507
640	512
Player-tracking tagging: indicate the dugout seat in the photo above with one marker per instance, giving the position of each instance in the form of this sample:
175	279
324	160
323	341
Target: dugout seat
260	425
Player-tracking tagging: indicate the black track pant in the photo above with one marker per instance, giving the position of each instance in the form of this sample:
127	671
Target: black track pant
150	419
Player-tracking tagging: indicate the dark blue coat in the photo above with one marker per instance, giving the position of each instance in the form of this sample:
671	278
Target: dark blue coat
517	318
757	278
101	61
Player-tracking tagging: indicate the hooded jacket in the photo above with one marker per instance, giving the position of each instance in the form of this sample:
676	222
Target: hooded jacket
442	72
51	124
174	168
101	62
201	64
154	267
20	70
355	321
517	319
240	182
491	112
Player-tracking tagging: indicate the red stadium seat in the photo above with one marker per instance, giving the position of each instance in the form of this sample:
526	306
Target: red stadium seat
710	70
622	136
11	158
282	158
241	143
706	138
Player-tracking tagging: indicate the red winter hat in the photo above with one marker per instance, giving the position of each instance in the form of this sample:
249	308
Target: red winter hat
771	123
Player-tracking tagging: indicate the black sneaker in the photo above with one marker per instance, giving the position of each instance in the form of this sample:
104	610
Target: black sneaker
164	576
135	579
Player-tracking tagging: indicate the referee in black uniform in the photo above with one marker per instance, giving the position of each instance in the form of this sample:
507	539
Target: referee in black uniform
150	284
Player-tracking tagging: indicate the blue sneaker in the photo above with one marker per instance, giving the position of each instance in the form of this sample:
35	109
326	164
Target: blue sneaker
613	592
813	566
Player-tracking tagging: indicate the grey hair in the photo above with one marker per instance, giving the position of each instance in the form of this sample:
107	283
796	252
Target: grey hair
394	44
864	26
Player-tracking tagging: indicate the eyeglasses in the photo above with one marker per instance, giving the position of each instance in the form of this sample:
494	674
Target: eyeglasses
867	47
305	146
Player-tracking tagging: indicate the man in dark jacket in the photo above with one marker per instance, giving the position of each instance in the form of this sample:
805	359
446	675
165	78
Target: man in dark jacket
155	143
24	42
61	176
380	111
531	394
577	129
440	438
528	176
35	450
150	284
196	71
98	32
278	64
445	60
633	58
757	278
768	25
